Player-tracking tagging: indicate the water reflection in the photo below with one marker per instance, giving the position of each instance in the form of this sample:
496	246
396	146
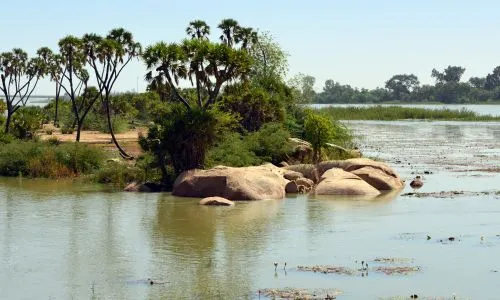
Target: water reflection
209	250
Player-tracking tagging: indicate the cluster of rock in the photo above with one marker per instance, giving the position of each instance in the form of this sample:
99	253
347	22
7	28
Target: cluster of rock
358	176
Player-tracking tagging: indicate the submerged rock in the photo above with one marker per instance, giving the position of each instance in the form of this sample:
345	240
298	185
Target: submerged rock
217	201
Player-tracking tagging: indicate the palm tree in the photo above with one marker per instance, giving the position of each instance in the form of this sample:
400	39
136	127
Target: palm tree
108	57
55	71
228	27
19	77
198	29
246	36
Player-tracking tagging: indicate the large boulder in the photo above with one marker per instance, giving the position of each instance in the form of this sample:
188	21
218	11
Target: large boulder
217	201
307	183
378	174
308	170
248	183
339	182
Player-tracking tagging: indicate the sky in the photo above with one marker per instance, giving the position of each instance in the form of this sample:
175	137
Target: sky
360	43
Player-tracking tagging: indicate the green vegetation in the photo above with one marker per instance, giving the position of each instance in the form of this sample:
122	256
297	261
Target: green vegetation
391	113
208	102
406	88
48	159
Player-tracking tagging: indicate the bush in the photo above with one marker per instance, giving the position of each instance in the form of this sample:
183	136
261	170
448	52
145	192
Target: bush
184	137
232	151
66	130
118	174
44	159
269	144
26	121
49	131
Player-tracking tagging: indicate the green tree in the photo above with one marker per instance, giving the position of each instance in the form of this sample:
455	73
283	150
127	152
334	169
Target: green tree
74	80
198	29
477	82
228	27
206	65
452	74
54	64
493	79
318	130
304	86
107	58
186	134
402	85
19	77
270	61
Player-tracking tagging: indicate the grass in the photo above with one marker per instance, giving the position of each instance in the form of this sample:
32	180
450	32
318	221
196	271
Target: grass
391	113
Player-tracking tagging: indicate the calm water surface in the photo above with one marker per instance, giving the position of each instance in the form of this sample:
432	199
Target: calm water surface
60	240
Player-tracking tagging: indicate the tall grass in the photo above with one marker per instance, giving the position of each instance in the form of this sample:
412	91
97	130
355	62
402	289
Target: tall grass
391	113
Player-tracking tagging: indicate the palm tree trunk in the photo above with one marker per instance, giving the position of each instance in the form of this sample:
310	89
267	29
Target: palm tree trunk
110	127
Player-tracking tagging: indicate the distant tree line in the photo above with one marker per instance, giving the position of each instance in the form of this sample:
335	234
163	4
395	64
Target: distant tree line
448	88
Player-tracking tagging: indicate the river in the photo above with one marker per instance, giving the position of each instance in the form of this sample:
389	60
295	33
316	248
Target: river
62	240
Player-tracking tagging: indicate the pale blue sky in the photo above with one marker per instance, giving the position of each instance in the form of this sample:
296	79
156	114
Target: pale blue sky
361	43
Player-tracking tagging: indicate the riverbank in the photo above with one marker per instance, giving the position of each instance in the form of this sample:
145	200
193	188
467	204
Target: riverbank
393	113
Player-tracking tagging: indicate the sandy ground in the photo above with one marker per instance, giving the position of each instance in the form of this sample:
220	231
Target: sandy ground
128	140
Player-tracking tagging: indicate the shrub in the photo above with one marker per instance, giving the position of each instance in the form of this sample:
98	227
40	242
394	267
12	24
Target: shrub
26	121
66	130
49	131
118	174
44	159
270	143
232	151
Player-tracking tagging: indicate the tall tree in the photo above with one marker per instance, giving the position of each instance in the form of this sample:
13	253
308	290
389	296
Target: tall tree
206	65
108	57
198	29
401	85
228	27
304	85
246	37
74	80
452	74
493	79
54	63
477	82
269	59
19	77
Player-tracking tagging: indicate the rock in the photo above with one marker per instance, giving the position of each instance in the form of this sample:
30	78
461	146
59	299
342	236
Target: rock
376	173
291	188
218	201
283	164
379	179
247	183
307	183
147	187
416	183
308	170
135	187
302	150
292	175
339	182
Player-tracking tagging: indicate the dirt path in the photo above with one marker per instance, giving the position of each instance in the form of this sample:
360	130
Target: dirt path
128	140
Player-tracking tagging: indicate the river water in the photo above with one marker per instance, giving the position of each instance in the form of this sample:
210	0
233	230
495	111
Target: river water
62	240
